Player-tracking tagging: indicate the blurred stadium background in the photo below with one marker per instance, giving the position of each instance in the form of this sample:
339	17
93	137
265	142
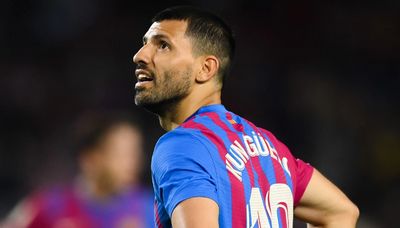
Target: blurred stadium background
324	76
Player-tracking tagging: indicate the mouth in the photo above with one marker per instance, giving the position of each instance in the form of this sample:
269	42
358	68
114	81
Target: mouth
143	78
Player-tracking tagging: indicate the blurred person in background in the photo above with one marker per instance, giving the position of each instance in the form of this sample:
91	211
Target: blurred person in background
107	191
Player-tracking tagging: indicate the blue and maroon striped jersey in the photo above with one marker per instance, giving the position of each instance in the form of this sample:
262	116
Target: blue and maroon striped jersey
252	176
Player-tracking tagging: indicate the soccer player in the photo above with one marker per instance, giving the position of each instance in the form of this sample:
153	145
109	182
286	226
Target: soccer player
214	168
107	192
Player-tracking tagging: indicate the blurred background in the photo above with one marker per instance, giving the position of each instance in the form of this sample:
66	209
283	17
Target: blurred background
323	76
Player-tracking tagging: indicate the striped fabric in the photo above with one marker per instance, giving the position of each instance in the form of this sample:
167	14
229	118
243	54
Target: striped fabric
251	175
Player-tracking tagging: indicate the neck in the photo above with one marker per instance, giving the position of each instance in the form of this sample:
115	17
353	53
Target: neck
177	113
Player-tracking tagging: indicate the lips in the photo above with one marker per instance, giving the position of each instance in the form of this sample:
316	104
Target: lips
143	78
143	75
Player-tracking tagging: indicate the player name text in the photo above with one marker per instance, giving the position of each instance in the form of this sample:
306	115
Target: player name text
254	145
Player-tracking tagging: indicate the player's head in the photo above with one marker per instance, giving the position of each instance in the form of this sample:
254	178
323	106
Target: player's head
183	46
208	33
109	149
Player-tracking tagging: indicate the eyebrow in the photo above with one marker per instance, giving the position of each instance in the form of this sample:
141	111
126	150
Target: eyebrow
156	37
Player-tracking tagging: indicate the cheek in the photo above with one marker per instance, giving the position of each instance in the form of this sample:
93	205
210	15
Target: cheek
161	63
164	63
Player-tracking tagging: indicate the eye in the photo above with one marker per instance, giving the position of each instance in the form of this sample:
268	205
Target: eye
163	45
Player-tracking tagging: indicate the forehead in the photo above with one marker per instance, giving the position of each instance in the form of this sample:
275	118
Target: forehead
170	28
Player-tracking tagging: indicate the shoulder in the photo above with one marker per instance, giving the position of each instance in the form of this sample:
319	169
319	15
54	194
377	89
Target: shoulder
276	143
179	144
178	141
179	149
268	134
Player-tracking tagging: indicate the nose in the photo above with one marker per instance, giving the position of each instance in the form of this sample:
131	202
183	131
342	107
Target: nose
142	56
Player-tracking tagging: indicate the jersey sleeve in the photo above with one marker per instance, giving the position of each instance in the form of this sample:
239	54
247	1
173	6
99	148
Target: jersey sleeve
304	172
182	168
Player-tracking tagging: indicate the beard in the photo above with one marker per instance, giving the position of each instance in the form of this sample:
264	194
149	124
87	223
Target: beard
167	91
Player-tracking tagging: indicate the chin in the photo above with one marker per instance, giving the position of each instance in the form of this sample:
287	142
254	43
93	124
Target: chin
149	106
155	104
141	100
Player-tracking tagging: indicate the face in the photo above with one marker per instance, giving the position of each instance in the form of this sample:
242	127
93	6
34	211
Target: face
116	164
164	66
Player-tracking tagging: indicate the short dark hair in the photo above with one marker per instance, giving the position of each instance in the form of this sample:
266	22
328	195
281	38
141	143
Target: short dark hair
210	34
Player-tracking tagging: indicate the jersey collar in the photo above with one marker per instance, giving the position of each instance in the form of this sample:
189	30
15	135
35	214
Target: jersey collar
208	108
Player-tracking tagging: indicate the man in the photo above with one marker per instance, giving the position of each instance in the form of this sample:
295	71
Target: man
214	168
107	192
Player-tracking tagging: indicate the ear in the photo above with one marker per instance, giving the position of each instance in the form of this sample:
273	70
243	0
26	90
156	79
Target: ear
209	68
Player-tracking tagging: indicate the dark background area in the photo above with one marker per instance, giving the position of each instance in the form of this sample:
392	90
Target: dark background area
323	76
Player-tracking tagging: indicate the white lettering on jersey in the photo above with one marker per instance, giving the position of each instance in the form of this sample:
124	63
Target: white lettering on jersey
255	145
279	198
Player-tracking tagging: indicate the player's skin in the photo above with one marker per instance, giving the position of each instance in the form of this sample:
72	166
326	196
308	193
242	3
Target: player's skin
180	82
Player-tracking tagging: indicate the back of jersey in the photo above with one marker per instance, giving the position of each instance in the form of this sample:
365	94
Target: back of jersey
258	180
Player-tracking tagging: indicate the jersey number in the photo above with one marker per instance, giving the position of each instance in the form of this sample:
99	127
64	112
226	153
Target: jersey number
277	211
